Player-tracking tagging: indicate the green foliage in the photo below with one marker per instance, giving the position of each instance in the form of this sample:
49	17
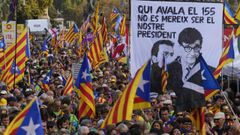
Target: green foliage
31	10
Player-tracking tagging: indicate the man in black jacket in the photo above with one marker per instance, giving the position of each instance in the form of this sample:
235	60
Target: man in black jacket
185	77
161	49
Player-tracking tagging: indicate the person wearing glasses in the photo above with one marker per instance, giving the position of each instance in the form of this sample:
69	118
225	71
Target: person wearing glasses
185	76
160	53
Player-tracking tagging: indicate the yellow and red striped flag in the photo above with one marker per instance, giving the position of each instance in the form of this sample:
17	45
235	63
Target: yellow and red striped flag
96	17
29	116
237	15
114	14
227	57
80	45
16	53
68	88
123	25
71	35
228	15
104	30
123	107
198	119
5	72
164	76
95	51
122	59
84	90
46	81
142	99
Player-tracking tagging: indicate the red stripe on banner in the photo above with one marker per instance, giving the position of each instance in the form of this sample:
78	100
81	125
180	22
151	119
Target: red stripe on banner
127	98
90	55
17	45
106	121
138	100
223	59
81	109
115	113
22	70
86	94
13	129
22	61
20	52
98	53
90	112
228	20
69	33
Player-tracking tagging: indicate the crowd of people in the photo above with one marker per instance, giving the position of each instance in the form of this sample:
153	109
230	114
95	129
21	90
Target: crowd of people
59	113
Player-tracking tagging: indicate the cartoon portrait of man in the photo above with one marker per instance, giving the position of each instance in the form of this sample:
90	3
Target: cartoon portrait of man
160	53
184	72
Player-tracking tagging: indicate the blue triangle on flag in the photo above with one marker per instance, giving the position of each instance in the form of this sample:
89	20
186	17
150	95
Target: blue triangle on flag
209	82
143	90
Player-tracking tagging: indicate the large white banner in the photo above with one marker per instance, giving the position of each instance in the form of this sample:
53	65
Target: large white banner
153	21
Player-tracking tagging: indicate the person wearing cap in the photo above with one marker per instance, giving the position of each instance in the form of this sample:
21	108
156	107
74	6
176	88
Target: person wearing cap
220	124
3	98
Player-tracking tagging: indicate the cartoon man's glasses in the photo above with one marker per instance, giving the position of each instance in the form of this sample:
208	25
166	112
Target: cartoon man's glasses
189	49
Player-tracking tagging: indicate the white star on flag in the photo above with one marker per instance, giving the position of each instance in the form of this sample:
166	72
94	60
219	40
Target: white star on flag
203	75
142	83
85	74
47	79
30	128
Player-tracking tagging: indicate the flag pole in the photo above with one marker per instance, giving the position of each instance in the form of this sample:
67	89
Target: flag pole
229	105
15	51
237	86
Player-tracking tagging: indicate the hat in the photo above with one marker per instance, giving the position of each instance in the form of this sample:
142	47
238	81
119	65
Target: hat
85	122
104	85
43	96
173	94
3	102
99	123
167	102
3	92
113	80
139	118
28	92
60	86
219	115
153	94
100	74
209	113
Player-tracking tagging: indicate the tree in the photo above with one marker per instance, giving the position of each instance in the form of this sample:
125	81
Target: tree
32	9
